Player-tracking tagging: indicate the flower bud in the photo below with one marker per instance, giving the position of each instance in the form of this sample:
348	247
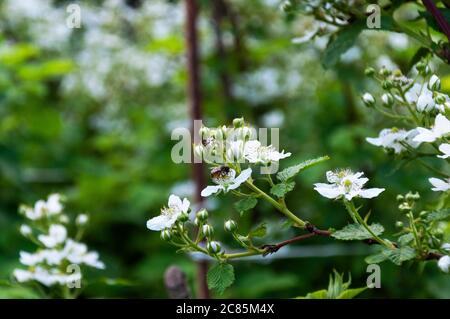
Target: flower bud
387	84
387	99
399	224
400	198
423	213
420	66
238	122
434	84
202	215
213	247
384	72
230	226
63	219
197	222
166	235
25	230
369	71
368	99
184	217
207	230
440	99
82	219
412	197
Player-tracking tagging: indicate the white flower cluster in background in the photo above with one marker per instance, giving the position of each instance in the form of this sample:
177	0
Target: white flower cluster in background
444	261
47	228
427	105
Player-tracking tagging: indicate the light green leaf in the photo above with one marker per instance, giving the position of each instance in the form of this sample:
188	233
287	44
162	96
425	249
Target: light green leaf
376	258
438	215
281	189
351	293
406	239
319	294
245	204
357	232
399	255
220	277
291	171
259	231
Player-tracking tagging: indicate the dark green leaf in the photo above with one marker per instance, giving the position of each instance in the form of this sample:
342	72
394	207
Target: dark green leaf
343	40
432	22
281	189
290	172
357	232
220	277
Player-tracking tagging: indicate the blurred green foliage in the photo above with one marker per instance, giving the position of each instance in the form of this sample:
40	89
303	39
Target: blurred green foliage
110	153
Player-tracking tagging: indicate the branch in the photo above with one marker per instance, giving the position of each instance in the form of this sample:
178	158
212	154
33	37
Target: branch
314	231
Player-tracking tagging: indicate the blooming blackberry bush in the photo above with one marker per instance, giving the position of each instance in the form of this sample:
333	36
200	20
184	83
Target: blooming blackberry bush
241	165
55	265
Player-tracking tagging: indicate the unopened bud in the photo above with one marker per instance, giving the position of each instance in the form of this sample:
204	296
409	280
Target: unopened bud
238	122
166	235
207	230
387	99
368	99
434	84
230	225
369	71
213	247
202	215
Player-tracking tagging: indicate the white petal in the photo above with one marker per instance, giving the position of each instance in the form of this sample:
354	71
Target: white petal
245	174
185	205
160	222
370	192
441	125
445	149
444	263
446	246
424	135
439	184
209	190
327	190
174	200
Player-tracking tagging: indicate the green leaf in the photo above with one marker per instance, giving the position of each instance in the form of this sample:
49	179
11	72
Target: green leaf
406	239
438	215
319	294
357	232
290	172
259	231
281	189
220	277
245	204
376	258
351	293
399	255
432	22
343	40
420	53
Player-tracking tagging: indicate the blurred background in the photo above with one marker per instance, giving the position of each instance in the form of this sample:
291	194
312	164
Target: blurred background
88	113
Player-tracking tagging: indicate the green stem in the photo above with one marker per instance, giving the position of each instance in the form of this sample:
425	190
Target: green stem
356	217
243	254
283	209
414	230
